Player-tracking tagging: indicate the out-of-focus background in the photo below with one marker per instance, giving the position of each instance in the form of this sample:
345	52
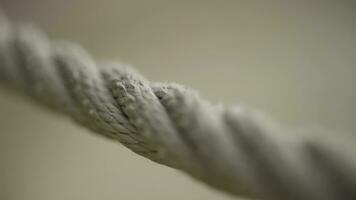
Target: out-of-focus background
295	60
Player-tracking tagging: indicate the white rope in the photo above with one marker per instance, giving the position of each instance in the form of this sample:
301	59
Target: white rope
233	149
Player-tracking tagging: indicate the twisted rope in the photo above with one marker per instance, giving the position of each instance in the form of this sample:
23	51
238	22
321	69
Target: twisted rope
236	150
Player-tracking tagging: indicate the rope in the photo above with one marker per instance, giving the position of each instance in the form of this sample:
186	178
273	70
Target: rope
236	150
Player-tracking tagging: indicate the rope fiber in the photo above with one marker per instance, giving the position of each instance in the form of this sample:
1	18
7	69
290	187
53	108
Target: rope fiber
236	150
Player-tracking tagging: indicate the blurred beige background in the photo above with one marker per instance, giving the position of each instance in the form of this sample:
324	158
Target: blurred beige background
294	60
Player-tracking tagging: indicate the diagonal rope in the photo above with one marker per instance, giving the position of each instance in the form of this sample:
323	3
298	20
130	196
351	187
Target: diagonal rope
235	150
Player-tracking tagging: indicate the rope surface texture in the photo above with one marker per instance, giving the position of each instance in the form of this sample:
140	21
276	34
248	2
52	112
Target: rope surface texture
235	150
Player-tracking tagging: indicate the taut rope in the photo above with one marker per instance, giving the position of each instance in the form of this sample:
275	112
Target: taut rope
233	149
